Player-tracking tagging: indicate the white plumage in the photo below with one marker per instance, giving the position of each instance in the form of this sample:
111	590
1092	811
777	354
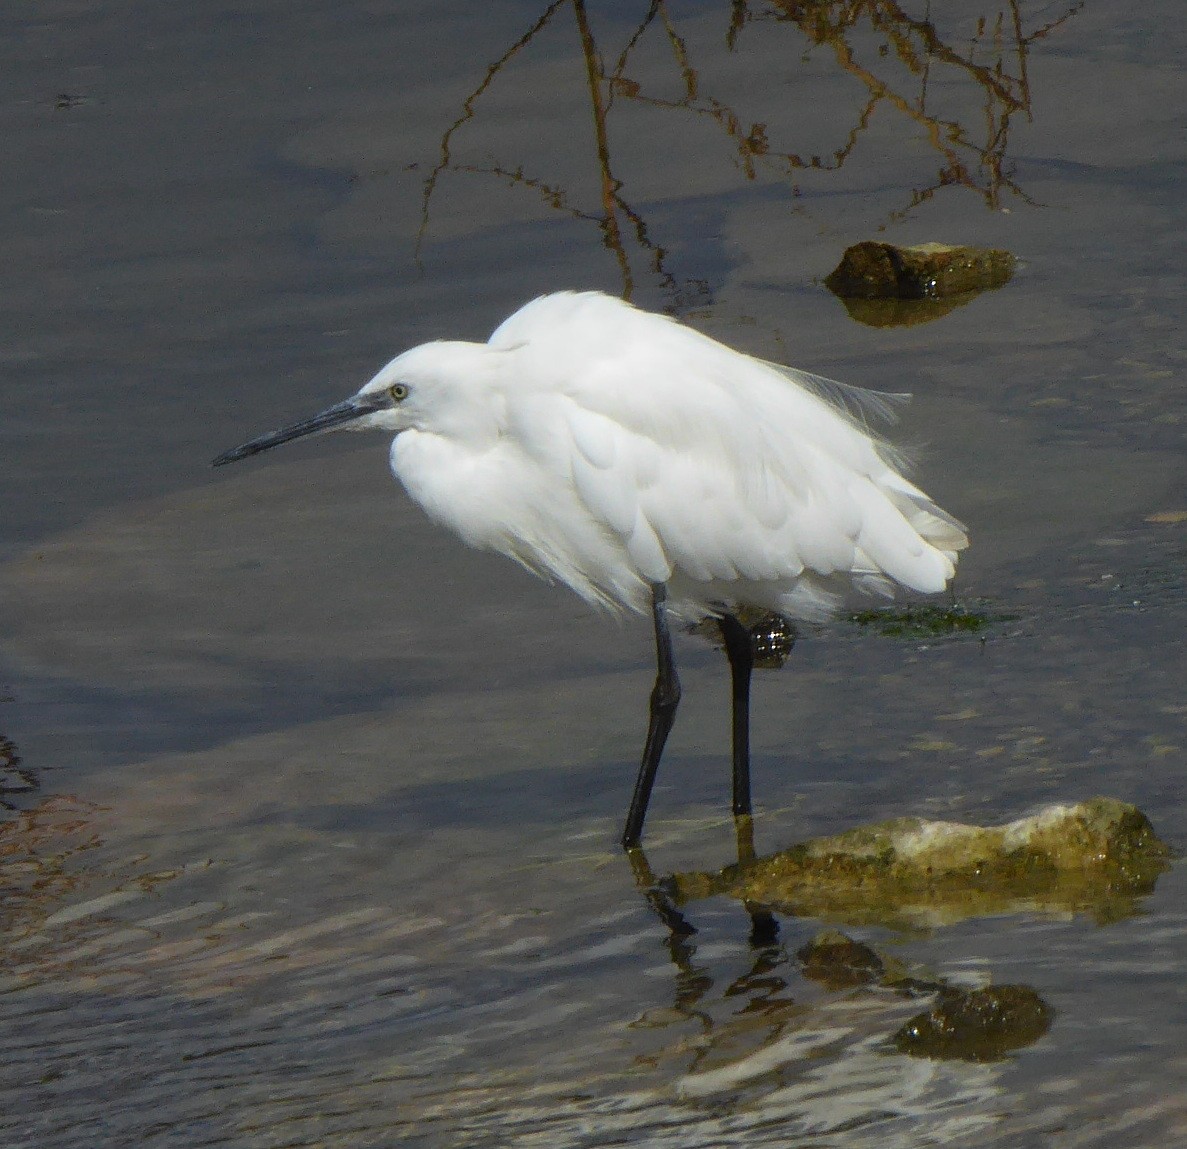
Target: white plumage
618	448
647	466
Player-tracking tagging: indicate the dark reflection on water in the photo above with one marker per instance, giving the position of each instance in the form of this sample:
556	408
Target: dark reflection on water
15	779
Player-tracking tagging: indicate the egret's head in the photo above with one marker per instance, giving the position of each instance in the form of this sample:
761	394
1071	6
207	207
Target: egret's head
437	387
444	388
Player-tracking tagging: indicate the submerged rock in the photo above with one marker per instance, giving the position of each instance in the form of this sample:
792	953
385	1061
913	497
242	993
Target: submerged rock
1096	857
976	1025
981	1024
838	962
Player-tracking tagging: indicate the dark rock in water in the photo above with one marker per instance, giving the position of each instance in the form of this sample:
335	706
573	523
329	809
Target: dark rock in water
838	962
976	1025
927	271
883	285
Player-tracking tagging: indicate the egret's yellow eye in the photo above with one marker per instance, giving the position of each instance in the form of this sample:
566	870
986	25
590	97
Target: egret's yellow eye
398	392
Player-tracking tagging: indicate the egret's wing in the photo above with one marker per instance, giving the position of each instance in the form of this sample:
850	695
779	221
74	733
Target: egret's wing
710	466
705	497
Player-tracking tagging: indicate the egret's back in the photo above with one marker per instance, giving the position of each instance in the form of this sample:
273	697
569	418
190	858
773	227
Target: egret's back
633	451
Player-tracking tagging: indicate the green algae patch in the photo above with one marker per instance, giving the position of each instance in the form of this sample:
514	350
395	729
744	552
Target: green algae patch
925	621
1095	857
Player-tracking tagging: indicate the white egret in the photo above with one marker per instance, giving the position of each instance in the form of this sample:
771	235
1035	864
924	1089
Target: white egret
652	469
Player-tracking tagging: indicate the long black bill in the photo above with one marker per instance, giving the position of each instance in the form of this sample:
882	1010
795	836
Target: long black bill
330	418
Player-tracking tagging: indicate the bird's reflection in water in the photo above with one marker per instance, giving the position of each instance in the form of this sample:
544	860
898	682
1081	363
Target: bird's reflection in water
760	998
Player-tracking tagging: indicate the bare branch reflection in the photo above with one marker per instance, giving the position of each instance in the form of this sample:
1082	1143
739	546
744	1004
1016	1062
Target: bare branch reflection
903	63
974	163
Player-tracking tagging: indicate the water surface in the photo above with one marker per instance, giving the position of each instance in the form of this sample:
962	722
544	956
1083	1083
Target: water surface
322	845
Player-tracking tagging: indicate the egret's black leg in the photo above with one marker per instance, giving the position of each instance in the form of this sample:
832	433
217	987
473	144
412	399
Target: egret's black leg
665	697
739	648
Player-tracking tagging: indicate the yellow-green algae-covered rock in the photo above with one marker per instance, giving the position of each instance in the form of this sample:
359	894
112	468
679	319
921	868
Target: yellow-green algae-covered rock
1096	857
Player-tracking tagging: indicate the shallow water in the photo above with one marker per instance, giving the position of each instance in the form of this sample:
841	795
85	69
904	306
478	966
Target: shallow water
321	849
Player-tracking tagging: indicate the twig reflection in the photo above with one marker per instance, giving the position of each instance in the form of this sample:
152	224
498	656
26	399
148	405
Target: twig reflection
893	54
